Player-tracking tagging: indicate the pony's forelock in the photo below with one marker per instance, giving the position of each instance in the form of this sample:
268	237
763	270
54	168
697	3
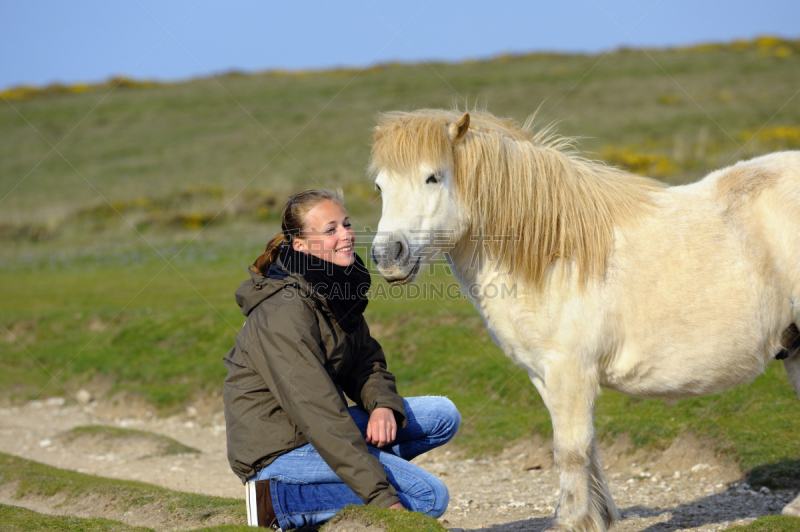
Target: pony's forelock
401	141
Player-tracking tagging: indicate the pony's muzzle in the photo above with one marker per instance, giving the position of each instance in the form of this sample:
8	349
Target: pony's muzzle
393	252
393	258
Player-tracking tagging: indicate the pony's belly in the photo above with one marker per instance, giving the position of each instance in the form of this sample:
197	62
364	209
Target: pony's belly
683	376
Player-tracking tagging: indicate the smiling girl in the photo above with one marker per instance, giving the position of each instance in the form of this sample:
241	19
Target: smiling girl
305	348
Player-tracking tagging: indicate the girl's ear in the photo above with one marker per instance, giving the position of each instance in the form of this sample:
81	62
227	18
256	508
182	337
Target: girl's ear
298	245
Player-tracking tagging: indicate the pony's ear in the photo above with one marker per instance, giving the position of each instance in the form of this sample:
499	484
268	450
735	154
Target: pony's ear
459	129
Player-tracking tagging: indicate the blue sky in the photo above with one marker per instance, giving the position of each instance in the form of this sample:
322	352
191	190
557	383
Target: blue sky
89	41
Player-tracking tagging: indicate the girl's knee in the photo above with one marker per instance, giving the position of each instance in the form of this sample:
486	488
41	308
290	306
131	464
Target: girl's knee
430	498
451	417
441	499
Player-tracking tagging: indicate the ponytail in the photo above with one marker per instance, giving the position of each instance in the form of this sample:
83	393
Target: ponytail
271	252
292	225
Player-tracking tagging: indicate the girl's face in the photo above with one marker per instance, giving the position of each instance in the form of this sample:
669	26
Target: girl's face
327	234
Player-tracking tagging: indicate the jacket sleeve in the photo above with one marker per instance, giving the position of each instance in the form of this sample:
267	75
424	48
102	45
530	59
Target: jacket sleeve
370	383
286	352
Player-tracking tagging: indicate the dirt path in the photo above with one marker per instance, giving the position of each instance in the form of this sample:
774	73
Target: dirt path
683	488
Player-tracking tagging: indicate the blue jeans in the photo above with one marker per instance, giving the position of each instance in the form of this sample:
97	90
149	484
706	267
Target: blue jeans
305	491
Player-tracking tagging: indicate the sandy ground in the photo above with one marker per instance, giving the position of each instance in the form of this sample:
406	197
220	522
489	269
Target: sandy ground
685	487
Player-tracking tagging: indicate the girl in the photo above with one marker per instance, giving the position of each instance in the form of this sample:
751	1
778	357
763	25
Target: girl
302	453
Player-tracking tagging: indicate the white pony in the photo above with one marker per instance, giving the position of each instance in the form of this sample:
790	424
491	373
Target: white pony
620	281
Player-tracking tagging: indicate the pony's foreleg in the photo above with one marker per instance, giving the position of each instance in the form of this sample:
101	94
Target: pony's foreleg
792	365
584	502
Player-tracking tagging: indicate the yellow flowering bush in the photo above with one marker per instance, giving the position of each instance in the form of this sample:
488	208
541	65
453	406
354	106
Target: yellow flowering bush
774	138
767	45
19	93
648	164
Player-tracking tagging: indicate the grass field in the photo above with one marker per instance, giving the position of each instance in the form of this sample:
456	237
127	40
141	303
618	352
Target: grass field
166	508
128	215
114	497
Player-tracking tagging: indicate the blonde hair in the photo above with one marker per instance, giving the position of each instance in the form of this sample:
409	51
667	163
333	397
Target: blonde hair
293	222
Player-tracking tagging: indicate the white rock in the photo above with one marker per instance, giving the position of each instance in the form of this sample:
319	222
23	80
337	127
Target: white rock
793	508
83	397
55	401
700	467
45	443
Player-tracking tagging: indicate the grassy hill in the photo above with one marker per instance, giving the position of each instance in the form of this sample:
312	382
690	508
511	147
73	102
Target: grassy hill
129	211
674	114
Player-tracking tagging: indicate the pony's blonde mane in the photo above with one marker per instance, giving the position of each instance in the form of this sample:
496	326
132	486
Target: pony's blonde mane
532	198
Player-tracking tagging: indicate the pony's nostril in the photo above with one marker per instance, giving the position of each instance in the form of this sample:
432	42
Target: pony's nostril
398	250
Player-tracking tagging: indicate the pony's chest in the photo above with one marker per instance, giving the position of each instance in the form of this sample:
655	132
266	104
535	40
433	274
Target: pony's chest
515	325
497	302
524	325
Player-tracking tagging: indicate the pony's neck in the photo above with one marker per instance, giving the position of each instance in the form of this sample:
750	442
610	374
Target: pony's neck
464	261
475	264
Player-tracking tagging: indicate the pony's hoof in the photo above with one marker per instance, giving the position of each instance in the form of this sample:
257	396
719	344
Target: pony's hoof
581	524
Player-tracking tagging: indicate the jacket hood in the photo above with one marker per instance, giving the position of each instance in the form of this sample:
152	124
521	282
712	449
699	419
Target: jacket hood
258	288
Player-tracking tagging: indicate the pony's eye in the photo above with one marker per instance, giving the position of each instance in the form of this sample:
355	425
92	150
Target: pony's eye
377	187
431	179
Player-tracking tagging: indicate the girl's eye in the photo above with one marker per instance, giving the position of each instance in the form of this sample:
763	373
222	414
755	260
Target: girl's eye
431	179
329	230
347	225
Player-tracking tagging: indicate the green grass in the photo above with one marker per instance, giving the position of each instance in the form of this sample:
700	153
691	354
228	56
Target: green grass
40	480
166	446
389	520
770	523
17	519
156	330
35	479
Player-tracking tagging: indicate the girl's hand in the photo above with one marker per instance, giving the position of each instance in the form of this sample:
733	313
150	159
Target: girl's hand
396	506
382	427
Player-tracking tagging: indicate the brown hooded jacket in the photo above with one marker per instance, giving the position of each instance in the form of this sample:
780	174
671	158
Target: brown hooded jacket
288	374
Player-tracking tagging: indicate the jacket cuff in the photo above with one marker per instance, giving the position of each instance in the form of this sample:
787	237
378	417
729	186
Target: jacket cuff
385	499
396	407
